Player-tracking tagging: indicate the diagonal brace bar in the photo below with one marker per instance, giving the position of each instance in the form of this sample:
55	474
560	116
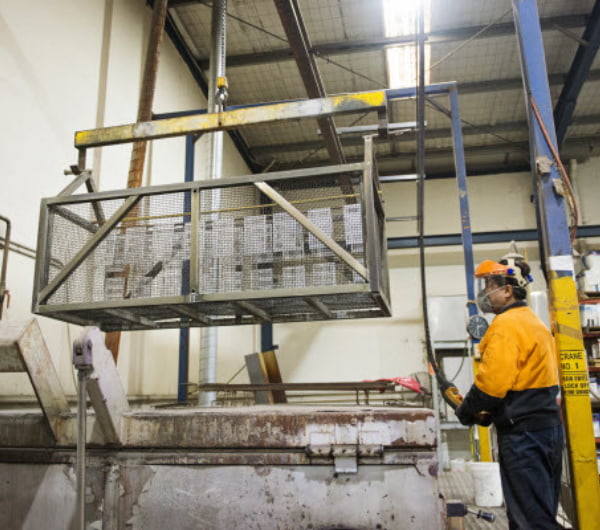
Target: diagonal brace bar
85	251
316	304
344	255
254	310
85	177
578	74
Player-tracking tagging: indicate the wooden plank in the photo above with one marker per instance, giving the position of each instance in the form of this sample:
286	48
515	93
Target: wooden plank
257	372
273	375
263	369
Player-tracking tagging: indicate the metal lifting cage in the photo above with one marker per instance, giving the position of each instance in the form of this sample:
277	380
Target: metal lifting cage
284	247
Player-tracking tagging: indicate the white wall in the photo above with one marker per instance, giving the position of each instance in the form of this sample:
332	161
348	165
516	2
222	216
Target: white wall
70	65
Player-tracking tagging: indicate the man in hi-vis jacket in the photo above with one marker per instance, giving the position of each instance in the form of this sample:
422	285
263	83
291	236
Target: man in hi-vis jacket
517	389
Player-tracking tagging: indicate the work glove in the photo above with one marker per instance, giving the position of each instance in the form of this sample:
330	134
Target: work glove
464	414
467	417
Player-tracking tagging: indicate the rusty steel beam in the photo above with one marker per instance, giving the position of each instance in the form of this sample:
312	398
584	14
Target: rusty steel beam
138	151
138	154
293	24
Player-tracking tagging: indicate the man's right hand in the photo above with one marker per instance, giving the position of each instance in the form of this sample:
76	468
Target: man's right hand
483	418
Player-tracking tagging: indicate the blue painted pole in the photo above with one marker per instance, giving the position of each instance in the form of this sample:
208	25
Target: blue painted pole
463	200
266	337
184	333
554	227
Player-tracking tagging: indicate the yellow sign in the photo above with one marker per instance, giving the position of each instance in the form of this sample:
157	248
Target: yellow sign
574	373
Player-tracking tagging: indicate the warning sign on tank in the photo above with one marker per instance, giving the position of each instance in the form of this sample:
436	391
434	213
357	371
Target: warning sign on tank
574	373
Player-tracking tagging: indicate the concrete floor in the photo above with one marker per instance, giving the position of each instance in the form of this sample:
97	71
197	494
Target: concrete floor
459	485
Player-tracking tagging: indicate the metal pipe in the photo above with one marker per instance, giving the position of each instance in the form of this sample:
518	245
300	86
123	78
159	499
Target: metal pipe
480	238
216	102
4	261
82	376
420	166
575	181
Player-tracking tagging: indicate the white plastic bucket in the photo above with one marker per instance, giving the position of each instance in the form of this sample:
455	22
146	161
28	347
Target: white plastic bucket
445	456
486	483
458	464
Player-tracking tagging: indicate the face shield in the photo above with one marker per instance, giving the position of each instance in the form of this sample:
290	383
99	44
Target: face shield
484	272
483	297
502	275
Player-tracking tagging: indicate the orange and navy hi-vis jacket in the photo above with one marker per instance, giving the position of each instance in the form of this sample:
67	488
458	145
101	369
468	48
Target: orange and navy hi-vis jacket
517	380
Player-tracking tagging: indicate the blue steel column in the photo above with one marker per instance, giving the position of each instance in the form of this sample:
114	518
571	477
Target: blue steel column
266	337
535	81
184	333
481	435
556	249
463	200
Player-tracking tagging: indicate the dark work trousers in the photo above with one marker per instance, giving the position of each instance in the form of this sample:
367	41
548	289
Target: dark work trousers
530	468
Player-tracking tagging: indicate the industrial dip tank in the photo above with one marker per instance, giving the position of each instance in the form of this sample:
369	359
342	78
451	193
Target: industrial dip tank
276	467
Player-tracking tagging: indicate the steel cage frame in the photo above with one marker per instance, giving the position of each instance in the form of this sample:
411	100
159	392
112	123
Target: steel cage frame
374	272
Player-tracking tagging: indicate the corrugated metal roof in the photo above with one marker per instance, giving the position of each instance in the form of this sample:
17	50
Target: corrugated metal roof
472	42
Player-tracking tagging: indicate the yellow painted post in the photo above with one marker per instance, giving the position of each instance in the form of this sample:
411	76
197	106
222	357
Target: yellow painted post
483	433
576	407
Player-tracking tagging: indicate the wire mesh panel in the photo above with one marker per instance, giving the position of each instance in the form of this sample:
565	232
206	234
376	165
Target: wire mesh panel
291	246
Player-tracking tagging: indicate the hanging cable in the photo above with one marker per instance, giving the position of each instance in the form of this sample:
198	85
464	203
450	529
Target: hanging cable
448	390
435	105
469	40
570	196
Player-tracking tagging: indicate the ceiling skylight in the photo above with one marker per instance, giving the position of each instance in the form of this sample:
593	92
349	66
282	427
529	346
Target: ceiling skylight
400	19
